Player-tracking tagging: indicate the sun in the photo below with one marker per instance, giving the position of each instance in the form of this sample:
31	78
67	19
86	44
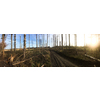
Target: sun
94	41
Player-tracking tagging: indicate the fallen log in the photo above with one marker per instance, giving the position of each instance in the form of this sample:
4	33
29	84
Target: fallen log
92	57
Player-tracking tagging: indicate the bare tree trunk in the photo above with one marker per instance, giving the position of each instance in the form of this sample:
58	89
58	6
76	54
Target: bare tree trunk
99	41
47	40
14	42
24	44
66	40
57	40
53	40
11	41
62	39
36	40
75	42
20	42
29	41
3	46
69	41
39	40
43	40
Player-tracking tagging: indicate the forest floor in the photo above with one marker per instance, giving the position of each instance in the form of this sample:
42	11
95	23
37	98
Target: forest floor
77	56
53	57
33	58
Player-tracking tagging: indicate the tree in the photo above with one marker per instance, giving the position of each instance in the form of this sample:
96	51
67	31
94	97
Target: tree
66	39
36	40
29	41
24	44
11	41
14	42
75	42
3	44
69	41
62	39
47	40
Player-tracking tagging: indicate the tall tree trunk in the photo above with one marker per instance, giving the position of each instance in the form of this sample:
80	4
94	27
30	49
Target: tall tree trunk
99	41
69	41
66	40
3	45
62	39
11	41
75	42
53	40
24	44
36	40
57	40
29	41
47	40
14	42
43	40
20	42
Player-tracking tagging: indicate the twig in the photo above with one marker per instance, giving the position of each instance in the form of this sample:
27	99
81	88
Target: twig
19	57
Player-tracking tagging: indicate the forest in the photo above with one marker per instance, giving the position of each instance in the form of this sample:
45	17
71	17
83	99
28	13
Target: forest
50	50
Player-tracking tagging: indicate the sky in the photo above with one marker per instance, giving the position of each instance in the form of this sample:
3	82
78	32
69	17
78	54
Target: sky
80	40
32	40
